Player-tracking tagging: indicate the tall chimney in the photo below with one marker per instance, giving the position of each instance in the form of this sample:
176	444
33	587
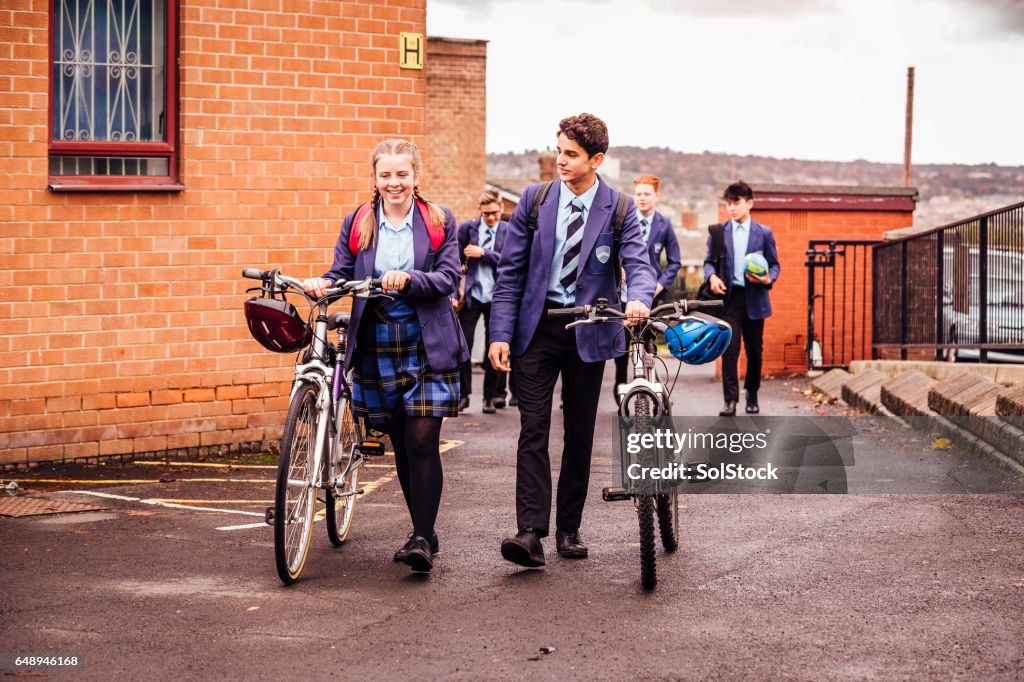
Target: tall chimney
907	180
547	161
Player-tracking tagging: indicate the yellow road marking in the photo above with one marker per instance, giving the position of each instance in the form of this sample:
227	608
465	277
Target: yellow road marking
142	480
204	464
235	466
172	499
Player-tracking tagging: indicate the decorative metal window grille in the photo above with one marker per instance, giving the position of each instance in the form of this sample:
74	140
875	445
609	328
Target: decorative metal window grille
110	89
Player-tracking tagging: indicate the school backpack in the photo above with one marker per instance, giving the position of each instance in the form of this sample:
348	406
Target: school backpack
435	232
618	220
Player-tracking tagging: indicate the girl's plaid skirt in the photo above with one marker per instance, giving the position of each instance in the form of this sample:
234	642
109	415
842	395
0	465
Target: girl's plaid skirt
391	375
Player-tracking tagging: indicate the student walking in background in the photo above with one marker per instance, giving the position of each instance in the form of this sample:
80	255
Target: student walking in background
480	242
747	303
661	241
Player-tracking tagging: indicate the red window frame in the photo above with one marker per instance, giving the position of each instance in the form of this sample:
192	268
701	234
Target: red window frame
168	150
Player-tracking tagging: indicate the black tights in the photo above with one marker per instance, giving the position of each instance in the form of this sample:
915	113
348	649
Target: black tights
417	442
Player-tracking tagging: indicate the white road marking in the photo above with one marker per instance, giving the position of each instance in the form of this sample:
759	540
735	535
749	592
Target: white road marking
159	503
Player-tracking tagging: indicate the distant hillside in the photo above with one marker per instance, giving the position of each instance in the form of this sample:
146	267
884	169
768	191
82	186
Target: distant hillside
948	192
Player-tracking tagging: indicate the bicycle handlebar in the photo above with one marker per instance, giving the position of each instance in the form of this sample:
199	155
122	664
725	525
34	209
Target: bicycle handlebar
599	311
355	285
567	312
688	307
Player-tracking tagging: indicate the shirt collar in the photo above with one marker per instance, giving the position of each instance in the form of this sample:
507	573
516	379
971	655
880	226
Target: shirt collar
745	224
640	216
565	195
383	221
484	226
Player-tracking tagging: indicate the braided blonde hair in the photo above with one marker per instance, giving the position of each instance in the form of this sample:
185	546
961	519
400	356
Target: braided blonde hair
368	227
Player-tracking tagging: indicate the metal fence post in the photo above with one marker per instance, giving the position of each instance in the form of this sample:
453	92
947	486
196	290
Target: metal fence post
983	287
903	300
940	260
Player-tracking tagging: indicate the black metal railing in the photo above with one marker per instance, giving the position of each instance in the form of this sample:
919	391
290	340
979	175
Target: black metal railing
953	292
838	300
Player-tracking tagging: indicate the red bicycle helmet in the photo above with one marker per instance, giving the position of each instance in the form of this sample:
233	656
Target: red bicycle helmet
277	325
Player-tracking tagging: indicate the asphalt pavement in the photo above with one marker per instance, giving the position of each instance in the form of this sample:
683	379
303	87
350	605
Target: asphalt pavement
173	576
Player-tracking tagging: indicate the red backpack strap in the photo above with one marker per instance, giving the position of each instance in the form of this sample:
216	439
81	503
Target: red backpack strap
435	232
353	235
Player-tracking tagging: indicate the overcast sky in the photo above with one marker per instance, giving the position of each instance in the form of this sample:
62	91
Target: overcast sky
810	79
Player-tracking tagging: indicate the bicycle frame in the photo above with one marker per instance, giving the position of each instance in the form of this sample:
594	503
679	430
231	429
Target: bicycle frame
644	378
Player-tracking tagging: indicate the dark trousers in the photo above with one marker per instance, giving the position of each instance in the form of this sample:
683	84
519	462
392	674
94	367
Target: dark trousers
494	381
552	352
752	331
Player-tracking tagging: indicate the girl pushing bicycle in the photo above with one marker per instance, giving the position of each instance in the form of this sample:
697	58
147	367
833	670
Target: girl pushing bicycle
406	348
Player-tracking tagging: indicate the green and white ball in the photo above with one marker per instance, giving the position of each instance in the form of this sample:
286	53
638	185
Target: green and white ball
756	264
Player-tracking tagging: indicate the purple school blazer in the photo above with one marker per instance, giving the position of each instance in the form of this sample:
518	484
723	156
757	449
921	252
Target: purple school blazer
435	277
759	305
469	233
525	268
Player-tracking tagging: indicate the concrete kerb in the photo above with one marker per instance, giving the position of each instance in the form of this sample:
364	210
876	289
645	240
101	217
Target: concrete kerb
1006	375
906	395
965	405
864	390
831	383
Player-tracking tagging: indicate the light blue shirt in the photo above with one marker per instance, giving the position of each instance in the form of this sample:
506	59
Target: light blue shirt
740	238
483	287
395	252
394	245
556	292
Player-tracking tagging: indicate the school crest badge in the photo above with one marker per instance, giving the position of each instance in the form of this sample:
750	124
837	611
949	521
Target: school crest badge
603	253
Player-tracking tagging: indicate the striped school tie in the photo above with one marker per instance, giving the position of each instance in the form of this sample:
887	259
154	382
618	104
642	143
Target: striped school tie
573	243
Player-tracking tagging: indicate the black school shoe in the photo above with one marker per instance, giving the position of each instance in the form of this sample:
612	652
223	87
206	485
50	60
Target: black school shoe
752	407
524	549
404	551
419	557
569	545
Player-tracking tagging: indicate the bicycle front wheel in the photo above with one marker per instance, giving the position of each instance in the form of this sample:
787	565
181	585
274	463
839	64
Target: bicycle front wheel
643	411
295	497
341	496
668	520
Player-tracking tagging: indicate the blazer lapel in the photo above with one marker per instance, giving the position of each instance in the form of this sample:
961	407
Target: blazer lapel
755	238
600	209
420	242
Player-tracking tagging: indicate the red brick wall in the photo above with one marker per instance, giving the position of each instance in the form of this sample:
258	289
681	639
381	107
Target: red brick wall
122	324
455	171
793	230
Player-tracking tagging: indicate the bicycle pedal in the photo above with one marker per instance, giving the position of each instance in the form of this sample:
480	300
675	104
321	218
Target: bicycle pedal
371	448
269	516
615	495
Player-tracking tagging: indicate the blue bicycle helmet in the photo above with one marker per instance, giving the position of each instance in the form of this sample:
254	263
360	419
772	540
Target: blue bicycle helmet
700	340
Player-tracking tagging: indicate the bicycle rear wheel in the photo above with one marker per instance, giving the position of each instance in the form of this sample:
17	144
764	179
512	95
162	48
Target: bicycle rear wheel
642	411
341	498
295	497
